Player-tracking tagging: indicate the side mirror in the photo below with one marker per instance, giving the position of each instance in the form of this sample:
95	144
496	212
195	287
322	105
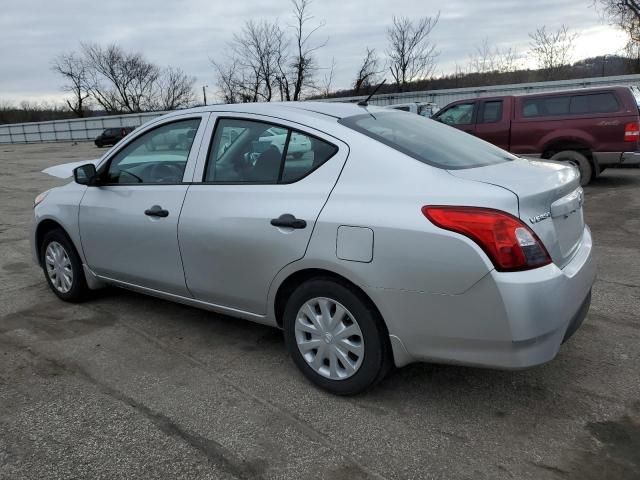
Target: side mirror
85	174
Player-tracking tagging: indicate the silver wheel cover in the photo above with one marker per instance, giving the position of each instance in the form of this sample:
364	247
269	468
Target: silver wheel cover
58	265
329	338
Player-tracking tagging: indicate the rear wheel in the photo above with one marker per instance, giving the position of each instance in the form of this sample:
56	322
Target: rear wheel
63	268
580	161
335	337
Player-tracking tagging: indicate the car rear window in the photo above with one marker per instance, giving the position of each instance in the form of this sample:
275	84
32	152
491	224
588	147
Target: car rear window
427	140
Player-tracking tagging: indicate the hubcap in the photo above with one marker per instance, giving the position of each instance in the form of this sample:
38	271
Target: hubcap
59	267
329	338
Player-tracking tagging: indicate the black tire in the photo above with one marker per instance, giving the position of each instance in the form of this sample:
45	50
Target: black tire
578	159
99	144
377	359
79	290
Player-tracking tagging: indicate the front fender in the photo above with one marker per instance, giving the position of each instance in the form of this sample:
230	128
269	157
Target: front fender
60	206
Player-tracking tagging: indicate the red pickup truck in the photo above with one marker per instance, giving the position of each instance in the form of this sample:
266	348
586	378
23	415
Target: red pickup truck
593	128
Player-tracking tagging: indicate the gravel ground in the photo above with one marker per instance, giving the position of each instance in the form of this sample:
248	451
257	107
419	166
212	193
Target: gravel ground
131	386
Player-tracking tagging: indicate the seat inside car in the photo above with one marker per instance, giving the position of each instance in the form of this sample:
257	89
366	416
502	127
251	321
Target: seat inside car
267	166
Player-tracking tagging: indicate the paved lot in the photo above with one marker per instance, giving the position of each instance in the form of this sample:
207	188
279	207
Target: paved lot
131	386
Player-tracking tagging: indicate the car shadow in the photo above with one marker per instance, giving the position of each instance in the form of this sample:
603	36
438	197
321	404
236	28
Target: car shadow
615	177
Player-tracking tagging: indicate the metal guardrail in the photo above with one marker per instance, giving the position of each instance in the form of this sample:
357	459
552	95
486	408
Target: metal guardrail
81	129
77	129
444	97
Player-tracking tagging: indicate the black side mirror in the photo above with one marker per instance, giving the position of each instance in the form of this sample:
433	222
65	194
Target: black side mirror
85	174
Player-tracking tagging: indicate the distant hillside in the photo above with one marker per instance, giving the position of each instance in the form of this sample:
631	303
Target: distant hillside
589	67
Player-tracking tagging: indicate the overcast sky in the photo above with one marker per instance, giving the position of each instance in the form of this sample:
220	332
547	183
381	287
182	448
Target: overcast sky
188	33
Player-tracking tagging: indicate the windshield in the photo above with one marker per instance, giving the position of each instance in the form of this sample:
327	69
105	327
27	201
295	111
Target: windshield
427	140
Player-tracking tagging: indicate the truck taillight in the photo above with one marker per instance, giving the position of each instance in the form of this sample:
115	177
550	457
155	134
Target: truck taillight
507	241
632	132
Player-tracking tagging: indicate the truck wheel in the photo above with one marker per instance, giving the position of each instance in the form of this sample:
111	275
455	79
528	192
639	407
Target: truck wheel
580	161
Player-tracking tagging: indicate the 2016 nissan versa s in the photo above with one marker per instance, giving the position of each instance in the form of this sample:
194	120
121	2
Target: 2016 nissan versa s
385	239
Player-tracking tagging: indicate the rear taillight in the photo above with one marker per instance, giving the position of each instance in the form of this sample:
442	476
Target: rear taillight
508	242
632	132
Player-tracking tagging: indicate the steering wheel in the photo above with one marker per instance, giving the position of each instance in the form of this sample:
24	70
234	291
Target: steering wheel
165	172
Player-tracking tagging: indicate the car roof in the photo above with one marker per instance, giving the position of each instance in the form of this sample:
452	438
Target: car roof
336	110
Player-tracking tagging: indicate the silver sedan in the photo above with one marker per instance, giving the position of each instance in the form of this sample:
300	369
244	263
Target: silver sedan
391	239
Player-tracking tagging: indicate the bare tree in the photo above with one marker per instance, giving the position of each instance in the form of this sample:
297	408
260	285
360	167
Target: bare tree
73	68
175	89
625	14
483	59
506	60
283	77
303	63
327	80
552	50
256	67
120	81
227	81
369	71
487	59
412	56
264	62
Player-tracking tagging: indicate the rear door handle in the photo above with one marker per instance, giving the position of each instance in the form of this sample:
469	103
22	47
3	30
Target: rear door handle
287	220
156	211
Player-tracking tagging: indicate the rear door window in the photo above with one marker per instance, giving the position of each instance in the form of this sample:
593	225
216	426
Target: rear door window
491	112
251	151
427	141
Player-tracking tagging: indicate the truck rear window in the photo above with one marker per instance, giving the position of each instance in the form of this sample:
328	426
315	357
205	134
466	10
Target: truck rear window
427	140
570	105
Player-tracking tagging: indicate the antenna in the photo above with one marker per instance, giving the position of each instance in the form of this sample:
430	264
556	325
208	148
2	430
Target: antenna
365	103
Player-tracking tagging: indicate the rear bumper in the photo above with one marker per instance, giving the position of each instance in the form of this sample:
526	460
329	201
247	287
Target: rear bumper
506	320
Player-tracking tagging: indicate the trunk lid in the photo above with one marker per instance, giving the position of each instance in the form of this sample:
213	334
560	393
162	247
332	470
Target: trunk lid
549	200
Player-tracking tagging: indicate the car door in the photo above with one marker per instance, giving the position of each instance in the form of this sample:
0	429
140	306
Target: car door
254	211
493	123
461	116
129	221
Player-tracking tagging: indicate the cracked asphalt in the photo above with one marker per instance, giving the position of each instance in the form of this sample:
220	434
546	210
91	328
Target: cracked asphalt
128	386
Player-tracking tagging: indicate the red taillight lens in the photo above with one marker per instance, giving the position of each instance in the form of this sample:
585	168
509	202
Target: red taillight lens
509	243
632	132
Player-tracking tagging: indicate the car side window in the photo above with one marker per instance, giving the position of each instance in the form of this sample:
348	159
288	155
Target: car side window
594	103
543	106
304	154
491	112
250	151
157	157
461	114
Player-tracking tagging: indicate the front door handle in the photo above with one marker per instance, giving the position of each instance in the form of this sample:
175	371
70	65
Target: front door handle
287	220
156	211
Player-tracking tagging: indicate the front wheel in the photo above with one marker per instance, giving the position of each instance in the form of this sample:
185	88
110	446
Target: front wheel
335	337
63	268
